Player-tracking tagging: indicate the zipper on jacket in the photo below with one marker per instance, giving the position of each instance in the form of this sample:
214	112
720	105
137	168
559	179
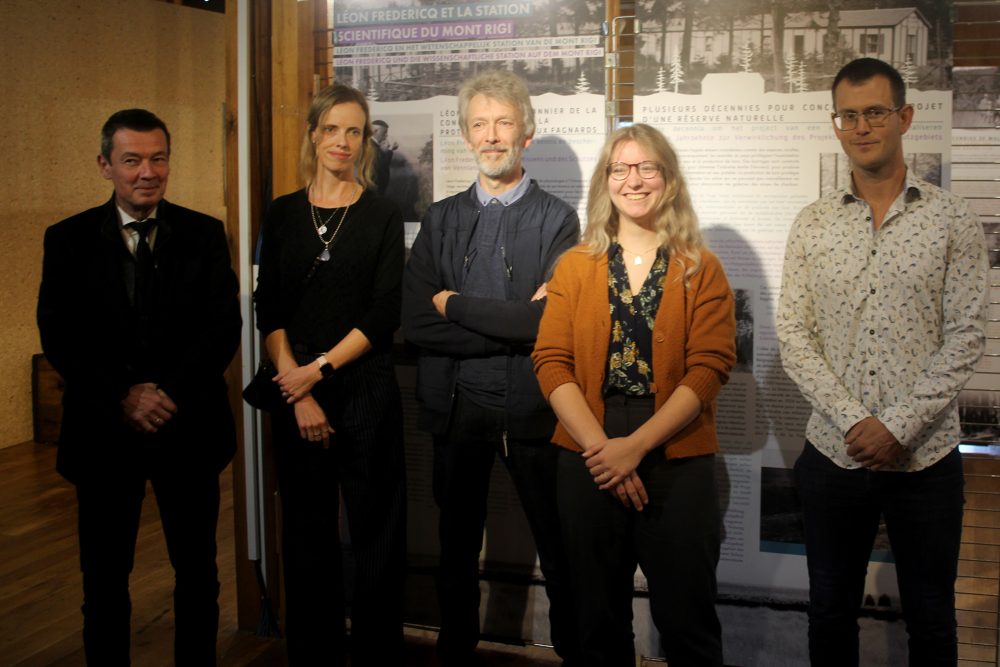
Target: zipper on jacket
470	253
454	394
503	438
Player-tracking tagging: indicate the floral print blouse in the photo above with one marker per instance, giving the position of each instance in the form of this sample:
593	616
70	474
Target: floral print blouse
632	317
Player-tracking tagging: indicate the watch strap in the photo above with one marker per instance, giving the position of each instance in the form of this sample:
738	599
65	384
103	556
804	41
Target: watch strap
326	369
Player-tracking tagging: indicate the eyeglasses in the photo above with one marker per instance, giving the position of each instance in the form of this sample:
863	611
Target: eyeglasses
876	117
647	169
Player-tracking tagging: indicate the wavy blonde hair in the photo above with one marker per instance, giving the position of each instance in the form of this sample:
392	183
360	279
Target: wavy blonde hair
675	221
326	99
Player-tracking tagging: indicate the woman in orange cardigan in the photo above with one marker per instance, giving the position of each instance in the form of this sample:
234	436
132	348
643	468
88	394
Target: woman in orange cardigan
637	338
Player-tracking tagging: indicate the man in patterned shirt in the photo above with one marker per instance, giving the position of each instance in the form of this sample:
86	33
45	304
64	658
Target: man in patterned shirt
881	321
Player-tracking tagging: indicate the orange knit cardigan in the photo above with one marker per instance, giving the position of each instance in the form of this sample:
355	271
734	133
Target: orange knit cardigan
694	340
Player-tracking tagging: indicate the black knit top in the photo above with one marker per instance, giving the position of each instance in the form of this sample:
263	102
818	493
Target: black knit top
358	287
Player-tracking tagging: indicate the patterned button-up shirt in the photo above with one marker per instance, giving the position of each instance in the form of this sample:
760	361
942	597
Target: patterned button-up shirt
885	323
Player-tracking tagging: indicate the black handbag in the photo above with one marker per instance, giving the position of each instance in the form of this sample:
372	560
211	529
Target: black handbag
263	392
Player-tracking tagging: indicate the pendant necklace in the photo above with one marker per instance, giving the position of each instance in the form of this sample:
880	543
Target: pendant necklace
321	227
318	218
638	257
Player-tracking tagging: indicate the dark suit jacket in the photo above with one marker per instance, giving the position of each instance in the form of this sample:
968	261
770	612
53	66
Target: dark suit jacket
381	171
87	324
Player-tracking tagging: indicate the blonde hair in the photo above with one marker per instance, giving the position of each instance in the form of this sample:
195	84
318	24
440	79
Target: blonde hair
325	100
674	220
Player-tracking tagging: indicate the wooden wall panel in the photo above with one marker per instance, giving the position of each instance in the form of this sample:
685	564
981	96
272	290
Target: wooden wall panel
292	86
978	587
65	67
976	28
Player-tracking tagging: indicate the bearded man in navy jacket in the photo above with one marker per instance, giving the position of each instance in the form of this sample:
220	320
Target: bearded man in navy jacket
138	312
473	294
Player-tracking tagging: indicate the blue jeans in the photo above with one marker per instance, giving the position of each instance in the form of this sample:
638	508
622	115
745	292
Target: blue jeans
923	516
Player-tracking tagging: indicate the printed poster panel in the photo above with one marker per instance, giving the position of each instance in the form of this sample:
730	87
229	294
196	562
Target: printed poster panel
428	159
745	98
410	58
976	175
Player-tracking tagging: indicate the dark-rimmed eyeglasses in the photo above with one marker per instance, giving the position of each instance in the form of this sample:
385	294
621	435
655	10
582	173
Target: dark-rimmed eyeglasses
875	117
647	169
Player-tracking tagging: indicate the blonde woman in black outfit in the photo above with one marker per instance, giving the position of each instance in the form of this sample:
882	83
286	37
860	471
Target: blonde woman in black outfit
328	302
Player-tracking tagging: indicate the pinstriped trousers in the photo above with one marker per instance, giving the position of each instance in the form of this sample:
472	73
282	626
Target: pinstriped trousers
365	463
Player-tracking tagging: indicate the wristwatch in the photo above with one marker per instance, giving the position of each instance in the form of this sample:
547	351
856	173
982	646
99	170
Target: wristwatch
326	369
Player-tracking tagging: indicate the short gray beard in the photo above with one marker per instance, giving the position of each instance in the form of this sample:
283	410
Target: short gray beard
503	168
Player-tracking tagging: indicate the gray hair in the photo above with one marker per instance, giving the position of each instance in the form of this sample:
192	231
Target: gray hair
499	85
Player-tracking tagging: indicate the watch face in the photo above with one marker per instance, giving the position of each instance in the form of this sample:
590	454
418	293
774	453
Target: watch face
326	370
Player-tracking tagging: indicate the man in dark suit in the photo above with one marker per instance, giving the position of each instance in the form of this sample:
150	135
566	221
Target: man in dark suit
138	311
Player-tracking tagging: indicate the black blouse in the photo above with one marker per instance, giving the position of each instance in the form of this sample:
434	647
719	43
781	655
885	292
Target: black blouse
358	287
632	317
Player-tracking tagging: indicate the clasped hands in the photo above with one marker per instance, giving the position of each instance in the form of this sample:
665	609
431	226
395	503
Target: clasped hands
612	464
296	384
147	408
872	445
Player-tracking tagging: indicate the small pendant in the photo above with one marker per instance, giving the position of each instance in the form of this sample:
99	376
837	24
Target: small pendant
322	230
325	255
638	260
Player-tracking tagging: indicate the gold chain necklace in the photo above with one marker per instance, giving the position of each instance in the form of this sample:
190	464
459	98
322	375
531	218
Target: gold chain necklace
638	256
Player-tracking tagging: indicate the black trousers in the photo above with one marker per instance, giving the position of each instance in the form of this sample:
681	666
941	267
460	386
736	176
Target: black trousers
463	460
675	539
365	464
109	511
923	515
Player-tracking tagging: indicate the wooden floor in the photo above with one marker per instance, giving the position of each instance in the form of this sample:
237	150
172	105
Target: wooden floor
40	590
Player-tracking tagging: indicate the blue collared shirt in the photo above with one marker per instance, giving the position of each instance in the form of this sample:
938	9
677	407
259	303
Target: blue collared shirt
506	198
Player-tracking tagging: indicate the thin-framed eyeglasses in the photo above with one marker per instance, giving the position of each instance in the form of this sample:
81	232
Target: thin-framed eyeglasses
647	169
875	117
